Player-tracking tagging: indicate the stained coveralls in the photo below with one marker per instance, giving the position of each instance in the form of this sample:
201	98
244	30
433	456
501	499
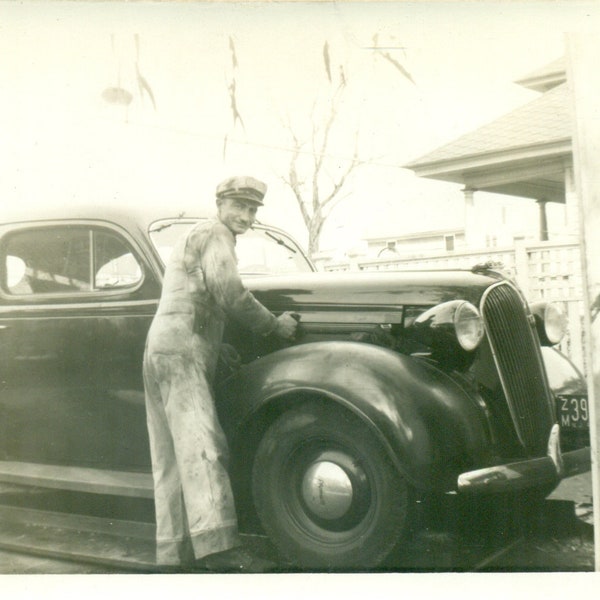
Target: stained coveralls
195	512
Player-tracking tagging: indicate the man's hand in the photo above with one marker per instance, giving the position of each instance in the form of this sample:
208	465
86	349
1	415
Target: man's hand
230	357
286	325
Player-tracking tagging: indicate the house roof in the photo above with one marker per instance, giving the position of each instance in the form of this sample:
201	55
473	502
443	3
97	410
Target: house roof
547	77
521	153
541	121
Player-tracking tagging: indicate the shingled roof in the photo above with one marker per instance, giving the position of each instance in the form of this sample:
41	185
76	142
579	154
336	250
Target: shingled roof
523	153
544	121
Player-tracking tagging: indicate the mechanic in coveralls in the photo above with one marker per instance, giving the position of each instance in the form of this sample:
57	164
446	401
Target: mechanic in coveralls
196	521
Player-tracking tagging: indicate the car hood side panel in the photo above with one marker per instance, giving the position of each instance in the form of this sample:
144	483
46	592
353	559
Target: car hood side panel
391	289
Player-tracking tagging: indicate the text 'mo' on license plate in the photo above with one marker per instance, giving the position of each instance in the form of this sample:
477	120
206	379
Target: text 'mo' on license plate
572	411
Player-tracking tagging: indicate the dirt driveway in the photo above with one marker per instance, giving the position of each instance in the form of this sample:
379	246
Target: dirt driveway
559	537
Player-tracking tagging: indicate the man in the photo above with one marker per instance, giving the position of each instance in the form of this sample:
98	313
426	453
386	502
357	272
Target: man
195	512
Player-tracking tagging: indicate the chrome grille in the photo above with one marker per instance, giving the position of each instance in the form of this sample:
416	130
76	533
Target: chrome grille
519	363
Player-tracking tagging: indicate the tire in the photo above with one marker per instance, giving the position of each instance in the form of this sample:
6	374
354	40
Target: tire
326	492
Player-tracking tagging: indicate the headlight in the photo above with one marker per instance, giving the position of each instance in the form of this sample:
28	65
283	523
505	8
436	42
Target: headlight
551	322
468	326
449	327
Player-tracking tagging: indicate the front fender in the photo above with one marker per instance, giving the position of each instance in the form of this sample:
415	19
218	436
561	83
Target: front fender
565	379
431	428
563	376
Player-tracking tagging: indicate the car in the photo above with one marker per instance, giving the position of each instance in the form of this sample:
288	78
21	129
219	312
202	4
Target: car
397	386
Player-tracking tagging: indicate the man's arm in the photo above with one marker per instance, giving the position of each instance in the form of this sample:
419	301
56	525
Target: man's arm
215	252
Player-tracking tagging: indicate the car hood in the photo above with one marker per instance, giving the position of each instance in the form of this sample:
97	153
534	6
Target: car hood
425	288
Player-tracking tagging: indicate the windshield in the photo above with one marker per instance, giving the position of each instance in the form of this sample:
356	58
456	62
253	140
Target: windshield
260	251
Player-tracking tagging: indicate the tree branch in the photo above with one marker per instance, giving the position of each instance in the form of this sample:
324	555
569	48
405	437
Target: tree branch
334	202
294	183
342	180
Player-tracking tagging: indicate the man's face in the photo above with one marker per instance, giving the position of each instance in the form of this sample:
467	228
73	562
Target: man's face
237	215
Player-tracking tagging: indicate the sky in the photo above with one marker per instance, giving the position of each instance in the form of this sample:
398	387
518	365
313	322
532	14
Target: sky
62	142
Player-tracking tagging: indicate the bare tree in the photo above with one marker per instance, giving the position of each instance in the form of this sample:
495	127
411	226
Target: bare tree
316	175
318	189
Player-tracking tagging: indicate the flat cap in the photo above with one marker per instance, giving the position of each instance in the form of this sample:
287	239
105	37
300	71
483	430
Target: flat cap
243	188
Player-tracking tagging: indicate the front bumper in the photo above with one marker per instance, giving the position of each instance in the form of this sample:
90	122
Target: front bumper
530	473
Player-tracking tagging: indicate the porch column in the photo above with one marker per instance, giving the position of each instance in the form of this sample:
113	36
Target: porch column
543	220
572	204
472	231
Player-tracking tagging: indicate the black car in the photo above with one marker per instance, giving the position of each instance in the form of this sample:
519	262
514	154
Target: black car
398	384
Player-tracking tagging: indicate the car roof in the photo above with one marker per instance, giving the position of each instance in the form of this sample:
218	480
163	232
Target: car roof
141	215
132	216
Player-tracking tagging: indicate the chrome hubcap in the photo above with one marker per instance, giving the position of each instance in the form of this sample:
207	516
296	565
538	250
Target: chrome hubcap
327	490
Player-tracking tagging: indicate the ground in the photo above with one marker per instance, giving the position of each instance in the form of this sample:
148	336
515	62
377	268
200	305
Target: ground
558	537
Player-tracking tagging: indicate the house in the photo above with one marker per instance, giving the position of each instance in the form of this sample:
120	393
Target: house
416	244
526	153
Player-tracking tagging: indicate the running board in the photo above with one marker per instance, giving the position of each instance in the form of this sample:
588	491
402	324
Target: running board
125	545
78	479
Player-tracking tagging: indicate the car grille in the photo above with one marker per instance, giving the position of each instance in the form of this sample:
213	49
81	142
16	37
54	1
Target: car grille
520	366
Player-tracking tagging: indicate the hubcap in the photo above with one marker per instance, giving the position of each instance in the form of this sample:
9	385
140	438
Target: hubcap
327	490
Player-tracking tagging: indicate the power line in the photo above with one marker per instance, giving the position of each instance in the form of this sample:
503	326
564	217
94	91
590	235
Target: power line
179	131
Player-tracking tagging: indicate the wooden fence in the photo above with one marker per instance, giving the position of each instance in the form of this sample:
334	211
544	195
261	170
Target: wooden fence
544	271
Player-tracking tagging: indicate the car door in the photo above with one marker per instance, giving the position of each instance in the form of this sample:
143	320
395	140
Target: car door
76	303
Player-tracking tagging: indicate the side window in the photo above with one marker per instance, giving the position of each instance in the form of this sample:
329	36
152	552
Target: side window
59	260
16	280
449	240
114	264
47	261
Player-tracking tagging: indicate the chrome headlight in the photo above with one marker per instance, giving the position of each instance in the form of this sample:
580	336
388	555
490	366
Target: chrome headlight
450	327
468	326
551	322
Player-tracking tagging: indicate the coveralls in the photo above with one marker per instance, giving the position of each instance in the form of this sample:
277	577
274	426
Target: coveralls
195	512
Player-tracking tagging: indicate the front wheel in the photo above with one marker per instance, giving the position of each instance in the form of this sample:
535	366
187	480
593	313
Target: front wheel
325	490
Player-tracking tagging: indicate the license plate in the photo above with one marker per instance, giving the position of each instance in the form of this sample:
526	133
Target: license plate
572	412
